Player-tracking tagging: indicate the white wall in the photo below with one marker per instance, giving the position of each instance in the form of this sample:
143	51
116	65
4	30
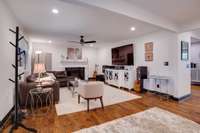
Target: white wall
162	45
104	57
7	58
61	49
195	53
183	71
166	49
162	41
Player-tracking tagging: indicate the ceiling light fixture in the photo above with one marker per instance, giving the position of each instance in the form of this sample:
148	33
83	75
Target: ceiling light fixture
132	28
91	45
49	41
55	11
38	52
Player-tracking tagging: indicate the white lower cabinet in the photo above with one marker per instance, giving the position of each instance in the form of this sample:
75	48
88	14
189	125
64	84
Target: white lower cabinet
120	78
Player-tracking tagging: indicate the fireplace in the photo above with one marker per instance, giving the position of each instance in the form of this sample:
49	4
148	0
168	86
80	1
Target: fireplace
78	72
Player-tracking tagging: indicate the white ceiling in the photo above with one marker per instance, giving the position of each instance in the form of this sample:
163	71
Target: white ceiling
195	37
180	12
104	21
75	20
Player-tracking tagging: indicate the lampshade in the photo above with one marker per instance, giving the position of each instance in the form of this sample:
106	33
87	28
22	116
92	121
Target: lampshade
39	68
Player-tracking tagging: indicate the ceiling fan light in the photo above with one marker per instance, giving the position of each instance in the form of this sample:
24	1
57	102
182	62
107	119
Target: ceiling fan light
91	45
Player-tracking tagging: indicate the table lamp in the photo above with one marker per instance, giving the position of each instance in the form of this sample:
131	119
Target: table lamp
39	68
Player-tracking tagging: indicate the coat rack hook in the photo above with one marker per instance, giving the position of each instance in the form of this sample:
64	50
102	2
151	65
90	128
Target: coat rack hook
12	80
13	66
20	74
12	44
12	31
20	38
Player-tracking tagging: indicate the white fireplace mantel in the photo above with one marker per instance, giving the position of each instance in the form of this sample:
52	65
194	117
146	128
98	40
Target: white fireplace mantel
69	61
76	63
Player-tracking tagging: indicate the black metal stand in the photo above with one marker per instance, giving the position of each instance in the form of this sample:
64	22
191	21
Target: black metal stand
17	121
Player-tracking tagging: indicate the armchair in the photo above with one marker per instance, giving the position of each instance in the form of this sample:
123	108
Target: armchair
90	91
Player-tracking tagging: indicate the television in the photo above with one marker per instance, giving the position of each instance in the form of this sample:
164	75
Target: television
123	55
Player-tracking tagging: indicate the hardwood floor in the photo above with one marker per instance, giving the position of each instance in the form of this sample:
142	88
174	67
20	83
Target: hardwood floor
51	123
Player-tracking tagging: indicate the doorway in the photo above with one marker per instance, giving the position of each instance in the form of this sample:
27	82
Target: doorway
195	59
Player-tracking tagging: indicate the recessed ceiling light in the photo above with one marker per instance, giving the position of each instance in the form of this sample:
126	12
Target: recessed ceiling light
132	28
55	11
49	41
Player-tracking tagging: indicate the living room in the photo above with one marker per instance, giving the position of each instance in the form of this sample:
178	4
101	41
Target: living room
91	66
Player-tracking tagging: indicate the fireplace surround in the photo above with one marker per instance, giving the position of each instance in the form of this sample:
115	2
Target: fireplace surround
78	72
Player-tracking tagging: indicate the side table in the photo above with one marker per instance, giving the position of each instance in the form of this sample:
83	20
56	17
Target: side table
38	95
74	84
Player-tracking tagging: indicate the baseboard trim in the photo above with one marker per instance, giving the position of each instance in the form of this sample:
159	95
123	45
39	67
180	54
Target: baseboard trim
182	98
6	117
172	97
91	78
195	83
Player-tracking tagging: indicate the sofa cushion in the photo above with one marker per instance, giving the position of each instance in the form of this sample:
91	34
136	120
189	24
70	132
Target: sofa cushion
31	78
46	79
51	75
43	75
60	74
62	80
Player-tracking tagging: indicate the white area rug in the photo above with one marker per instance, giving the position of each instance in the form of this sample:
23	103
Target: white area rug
69	104
154	120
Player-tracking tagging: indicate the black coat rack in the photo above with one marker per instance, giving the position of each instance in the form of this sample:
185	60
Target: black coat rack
17	121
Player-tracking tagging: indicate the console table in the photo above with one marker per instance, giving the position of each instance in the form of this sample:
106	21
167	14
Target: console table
158	84
120	77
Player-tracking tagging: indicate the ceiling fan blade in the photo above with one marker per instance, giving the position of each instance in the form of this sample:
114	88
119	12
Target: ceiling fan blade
74	42
90	42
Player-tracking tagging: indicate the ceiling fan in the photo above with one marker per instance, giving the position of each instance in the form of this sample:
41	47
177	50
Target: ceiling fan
83	42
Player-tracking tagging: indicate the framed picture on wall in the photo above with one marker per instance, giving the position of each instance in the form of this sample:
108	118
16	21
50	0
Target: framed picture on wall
149	56
74	53
148	47
148	51
23	48
78	53
71	53
184	50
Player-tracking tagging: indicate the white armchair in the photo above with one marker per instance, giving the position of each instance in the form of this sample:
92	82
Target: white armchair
90	91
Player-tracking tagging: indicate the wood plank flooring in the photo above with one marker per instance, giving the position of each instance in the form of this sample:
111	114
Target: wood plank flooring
51	123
